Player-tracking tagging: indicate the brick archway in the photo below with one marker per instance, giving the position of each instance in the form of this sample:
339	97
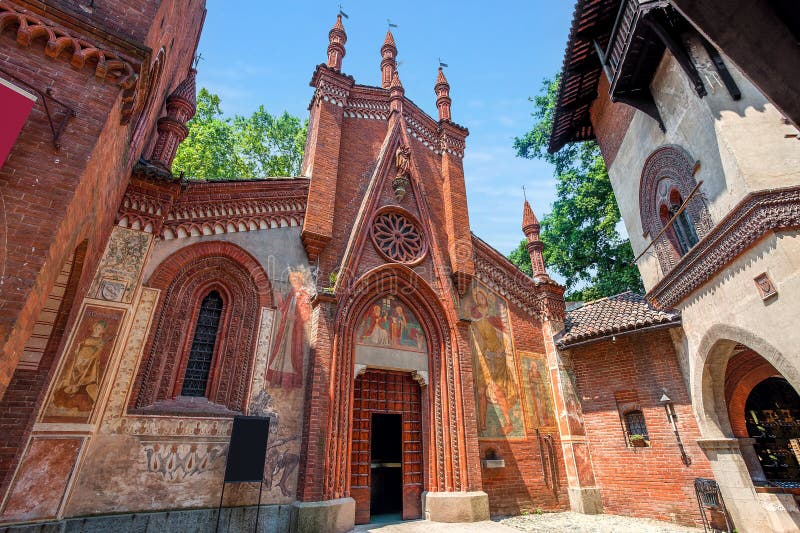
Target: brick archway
185	278
444	445
745	370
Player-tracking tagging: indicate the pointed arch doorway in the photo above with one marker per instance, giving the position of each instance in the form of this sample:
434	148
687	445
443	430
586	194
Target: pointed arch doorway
391	359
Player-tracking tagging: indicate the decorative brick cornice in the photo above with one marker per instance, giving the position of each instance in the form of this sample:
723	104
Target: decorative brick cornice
365	107
176	210
332	86
539	298
746	224
109	65
425	133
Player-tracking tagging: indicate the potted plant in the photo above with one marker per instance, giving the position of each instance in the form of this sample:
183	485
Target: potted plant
638	441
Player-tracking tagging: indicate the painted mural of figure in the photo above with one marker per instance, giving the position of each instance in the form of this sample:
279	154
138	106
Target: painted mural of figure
494	378
285	367
373	330
542	410
398	326
79	384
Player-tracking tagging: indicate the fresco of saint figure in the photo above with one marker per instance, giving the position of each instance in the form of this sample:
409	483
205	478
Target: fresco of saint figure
537	388
78	385
285	366
388	323
494	366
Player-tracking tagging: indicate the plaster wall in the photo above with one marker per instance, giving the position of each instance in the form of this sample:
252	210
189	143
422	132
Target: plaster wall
730	307
128	461
275	249
741	146
729	310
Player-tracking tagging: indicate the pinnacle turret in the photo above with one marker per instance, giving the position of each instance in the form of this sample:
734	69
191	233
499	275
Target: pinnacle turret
336	41
172	130
530	226
388	60
442	89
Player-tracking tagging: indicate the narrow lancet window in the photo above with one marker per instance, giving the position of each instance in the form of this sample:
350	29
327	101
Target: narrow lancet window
195	380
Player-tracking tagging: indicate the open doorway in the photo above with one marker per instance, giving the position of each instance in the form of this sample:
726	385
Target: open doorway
386	460
772	413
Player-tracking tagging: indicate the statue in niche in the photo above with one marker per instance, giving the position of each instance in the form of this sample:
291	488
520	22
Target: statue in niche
402	160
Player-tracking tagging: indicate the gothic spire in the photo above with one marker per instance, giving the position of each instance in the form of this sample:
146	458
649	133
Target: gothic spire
530	226
388	60
442	89
336	41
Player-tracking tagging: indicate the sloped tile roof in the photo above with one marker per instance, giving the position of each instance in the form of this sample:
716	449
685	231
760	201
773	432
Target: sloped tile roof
613	315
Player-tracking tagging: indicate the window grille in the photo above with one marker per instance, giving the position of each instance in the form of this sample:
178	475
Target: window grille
635	424
684	229
195	380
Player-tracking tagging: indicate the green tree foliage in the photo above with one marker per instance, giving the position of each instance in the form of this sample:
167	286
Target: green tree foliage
580	236
257	146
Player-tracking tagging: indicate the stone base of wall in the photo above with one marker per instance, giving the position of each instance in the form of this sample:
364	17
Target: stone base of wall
456	506
271	519
586	500
334	516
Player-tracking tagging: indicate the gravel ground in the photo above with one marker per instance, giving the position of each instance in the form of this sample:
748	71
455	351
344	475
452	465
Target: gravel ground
584	523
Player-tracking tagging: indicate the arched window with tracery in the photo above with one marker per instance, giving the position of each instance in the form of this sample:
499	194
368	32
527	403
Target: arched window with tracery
203	338
198	366
671	214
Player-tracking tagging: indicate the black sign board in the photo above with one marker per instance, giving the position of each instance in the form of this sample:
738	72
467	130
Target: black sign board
247	450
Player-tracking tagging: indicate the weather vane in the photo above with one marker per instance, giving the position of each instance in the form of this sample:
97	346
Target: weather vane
197	59
342	13
391	24
442	64
524	195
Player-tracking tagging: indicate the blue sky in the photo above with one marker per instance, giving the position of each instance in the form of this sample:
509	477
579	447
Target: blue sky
264	52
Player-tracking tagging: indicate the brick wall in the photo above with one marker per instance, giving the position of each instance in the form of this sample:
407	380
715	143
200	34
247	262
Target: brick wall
54	199
610	121
520	485
632	372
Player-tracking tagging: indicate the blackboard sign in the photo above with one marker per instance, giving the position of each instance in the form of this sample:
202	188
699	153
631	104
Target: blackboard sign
247	450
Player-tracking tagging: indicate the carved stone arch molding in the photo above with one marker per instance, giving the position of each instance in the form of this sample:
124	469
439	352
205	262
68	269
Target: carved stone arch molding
185	278
444	443
668	169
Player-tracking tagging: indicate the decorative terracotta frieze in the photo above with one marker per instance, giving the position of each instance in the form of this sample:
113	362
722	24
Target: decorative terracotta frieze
173	210
109	65
539	298
746	224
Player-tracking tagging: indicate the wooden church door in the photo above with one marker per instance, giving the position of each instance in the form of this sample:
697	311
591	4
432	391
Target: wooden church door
386	462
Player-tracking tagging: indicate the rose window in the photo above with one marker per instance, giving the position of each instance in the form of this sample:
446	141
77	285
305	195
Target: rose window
398	237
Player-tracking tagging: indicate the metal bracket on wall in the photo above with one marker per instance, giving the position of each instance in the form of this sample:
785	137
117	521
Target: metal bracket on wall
57	124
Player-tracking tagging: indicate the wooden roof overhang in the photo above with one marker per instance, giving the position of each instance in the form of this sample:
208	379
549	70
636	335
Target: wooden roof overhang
625	39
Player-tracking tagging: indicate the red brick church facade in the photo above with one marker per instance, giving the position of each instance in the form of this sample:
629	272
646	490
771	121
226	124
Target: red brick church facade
344	303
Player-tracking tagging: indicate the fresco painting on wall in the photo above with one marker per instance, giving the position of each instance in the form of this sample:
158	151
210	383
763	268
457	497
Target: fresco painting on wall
290	342
85	361
572	402
538	401
497	389
388	323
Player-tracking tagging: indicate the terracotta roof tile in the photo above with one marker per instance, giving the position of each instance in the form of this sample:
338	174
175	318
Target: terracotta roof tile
612	315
